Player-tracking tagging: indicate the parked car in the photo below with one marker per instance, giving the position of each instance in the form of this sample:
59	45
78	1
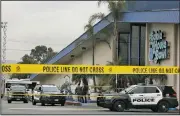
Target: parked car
48	94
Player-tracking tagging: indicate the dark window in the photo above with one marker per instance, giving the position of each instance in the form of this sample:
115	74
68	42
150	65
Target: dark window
169	90
138	90
151	90
50	89
138	36
123	47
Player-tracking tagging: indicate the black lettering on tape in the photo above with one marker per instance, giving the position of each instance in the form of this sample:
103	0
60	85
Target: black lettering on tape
97	70
177	70
74	69
6	68
50	69
161	70
83	69
65	69
139	70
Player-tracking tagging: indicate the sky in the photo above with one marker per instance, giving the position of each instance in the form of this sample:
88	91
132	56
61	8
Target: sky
52	23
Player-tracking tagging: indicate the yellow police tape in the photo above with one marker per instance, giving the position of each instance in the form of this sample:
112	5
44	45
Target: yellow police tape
86	69
55	95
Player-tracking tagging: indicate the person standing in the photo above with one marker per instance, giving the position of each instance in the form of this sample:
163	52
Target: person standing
85	92
78	92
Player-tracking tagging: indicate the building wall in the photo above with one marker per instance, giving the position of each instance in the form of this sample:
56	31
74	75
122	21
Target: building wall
172	36
102	54
178	58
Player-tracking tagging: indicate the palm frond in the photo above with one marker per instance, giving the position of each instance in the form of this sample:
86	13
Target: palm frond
87	27
121	4
96	16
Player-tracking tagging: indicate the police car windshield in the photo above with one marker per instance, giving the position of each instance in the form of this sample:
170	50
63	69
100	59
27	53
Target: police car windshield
18	87
50	89
128	89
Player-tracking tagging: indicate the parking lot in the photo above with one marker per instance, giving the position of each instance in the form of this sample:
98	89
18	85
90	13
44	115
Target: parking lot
18	108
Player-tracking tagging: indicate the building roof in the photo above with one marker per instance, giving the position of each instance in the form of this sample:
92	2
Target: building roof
138	12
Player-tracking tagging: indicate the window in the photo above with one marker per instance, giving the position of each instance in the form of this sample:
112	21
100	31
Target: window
50	89
123	47
138	90
138	36
151	90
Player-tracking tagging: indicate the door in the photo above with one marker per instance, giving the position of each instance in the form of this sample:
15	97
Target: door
153	95
137	95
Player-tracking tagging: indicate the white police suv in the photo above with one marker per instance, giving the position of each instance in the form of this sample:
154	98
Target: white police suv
157	98
47	94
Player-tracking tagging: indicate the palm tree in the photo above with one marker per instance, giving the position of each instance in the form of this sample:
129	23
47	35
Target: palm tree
89	28
114	7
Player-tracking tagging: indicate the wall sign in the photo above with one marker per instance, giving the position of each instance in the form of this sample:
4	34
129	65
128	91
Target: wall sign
158	47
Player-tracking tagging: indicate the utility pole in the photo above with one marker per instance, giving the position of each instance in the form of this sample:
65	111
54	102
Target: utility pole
3	55
4	27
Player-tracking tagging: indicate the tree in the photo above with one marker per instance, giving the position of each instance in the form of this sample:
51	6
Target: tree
114	7
40	54
89	27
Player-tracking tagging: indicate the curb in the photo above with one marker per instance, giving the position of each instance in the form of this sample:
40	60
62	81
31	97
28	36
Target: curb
73	103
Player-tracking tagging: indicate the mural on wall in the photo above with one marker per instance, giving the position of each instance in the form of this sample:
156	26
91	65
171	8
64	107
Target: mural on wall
158	47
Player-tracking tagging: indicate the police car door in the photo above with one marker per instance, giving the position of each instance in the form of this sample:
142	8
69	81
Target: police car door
136	95
152	95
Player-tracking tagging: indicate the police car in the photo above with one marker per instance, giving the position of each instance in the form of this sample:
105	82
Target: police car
157	98
47	94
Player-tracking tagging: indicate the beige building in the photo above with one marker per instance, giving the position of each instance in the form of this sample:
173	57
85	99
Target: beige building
135	33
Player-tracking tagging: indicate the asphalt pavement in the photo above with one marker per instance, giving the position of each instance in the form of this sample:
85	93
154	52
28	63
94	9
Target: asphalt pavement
18	108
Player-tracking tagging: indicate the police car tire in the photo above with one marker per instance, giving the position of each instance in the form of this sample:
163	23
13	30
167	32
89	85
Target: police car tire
62	104
42	104
25	101
116	106
161	104
9	101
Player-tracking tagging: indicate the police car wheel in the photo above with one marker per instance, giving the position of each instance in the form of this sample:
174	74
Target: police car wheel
25	101
119	106
62	104
163	106
9	101
42	104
